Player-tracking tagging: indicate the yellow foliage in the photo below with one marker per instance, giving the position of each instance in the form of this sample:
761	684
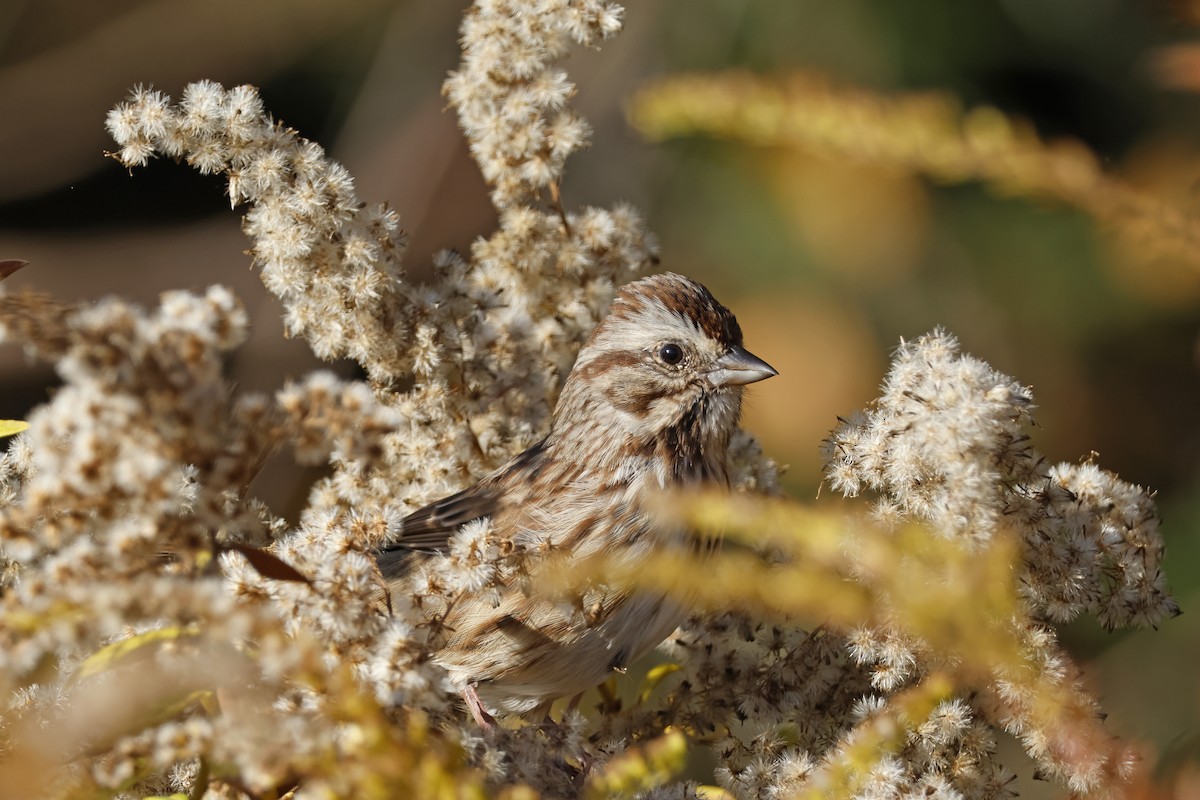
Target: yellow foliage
927	133
378	758
713	793
11	427
883	734
958	598
956	601
655	676
141	645
639	768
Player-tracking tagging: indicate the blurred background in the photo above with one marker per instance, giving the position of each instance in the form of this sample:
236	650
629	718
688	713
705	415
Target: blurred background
826	262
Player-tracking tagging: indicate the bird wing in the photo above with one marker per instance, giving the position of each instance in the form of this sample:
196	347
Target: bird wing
429	528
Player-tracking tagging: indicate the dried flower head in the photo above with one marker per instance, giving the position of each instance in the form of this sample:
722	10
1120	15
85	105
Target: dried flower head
945	443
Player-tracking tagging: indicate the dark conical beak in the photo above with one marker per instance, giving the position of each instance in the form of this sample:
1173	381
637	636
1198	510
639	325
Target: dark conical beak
738	367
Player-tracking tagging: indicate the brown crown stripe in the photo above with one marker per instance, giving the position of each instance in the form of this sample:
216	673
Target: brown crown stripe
684	297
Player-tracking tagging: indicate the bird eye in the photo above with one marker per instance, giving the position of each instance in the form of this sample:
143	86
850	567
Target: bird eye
670	354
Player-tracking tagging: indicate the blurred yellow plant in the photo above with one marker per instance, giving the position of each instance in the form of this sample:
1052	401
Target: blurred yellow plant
639	768
848	572
927	133
11	427
953	601
884	733
125	689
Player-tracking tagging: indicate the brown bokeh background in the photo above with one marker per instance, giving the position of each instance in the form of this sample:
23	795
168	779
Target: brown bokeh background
827	263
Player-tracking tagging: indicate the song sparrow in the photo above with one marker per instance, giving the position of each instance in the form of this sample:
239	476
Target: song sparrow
651	403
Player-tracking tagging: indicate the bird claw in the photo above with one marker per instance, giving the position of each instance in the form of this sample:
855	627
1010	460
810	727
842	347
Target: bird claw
475	706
